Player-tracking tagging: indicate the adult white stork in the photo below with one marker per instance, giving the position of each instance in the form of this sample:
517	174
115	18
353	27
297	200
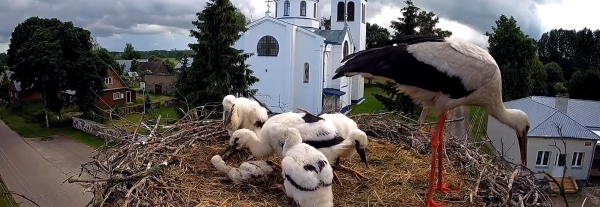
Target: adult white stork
440	73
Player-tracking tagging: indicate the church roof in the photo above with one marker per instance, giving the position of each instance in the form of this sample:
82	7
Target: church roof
336	36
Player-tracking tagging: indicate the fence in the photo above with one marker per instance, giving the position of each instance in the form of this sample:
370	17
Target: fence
107	133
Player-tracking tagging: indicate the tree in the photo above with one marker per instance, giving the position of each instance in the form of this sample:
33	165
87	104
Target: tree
218	68
135	66
108	59
326	22
514	52
538	78
585	85
50	56
130	53
413	21
154	58
555	75
376	35
4	58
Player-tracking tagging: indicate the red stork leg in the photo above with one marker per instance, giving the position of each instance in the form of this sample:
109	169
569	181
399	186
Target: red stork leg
435	145
440	153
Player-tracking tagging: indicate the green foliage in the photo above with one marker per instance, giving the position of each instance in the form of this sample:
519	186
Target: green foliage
129	53
514	52
416	21
108	59
326	22
218	68
538	78
555	75
4	58
413	21
376	35
148	103
135	67
50	56
4	84
560	89
585	85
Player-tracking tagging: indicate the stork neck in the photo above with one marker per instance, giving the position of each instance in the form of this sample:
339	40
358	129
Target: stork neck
500	113
259	147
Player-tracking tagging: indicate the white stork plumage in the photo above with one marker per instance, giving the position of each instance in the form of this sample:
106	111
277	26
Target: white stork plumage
242	113
347	128
252	172
314	130
306	172
440	73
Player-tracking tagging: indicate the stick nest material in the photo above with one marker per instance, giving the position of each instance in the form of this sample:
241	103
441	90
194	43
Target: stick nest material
172	168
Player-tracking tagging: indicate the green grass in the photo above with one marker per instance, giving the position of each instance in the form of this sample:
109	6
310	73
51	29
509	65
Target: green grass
370	104
167	113
35	130
153	97
5	200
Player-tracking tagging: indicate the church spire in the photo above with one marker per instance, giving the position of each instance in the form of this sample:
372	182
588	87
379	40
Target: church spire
345	13
268	13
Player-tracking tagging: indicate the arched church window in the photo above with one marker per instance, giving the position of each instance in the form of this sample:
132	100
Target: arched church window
345	49
350	11
276	9
340	11
306	72
267	46
286	8
303	8
315	10
362	13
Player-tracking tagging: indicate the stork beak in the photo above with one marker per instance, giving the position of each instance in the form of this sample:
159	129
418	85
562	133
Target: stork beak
231	149
523	147
228	116
362	154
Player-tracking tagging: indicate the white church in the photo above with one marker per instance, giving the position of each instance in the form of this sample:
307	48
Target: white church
295	58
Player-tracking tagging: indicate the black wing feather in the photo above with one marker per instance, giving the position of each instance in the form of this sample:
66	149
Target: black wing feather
404	39
396	63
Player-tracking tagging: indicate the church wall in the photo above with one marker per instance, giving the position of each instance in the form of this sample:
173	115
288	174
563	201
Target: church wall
308	49
273	87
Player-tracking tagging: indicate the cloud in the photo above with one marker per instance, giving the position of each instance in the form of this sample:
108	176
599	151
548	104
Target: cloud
145	22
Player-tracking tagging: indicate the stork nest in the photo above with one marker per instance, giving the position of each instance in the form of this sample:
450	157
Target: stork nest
172	168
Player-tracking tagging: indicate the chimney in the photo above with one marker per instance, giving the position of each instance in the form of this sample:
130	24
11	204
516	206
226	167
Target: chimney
561	103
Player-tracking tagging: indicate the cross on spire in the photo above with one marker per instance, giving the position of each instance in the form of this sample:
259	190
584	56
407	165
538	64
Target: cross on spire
268	6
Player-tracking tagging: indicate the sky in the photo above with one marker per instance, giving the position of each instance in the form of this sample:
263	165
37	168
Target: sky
165	24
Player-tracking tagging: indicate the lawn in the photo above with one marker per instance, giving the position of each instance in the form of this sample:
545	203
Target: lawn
370	104
153	97
34	130
167	113
5	200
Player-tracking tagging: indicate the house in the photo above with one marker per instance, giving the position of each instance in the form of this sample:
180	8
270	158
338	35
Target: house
160	81
295	59
580	128
116	92
17	94
127	64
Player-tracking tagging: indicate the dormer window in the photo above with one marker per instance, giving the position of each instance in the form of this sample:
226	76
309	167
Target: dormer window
303	8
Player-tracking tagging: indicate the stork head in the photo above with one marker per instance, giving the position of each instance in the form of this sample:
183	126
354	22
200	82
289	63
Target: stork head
228	104
239	139
519	121
360	143
292	137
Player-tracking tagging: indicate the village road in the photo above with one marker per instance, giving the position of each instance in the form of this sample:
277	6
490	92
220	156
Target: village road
37	168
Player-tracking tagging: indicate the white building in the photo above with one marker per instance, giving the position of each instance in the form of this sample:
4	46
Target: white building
295	59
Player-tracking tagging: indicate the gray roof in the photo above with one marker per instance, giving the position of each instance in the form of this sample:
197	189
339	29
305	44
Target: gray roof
132	74
585	112
543	119
189	63
335	36
128	63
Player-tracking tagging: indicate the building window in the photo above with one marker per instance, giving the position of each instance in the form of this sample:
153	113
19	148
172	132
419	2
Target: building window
276	9
108	81
577	159
303	8
286	8
561	160
267	46
116	96
340	11
345	49
542	158
362	13
306	72
350	11
315	11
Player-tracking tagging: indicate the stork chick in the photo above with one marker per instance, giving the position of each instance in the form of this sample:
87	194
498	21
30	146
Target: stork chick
252	172
242	113
306	172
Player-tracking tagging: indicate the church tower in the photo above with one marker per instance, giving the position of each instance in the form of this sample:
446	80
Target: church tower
298	12
351	12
